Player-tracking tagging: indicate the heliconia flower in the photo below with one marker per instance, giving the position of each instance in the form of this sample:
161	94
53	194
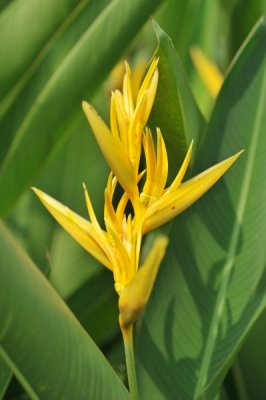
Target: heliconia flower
208	71
128	116
118	245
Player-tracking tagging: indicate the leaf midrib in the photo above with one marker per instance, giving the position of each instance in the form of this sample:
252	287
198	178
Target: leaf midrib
219	305
24	382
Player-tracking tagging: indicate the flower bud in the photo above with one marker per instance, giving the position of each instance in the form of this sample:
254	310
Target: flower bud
136	294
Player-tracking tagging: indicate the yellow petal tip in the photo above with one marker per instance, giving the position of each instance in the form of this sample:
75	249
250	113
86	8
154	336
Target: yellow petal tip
87	108
38	192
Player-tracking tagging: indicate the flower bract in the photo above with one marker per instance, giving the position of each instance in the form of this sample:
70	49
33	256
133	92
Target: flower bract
146	192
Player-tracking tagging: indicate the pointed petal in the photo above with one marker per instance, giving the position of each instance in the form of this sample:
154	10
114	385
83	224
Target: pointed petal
79	228
91	212
109	213
136	126
122	261
120	210
146	82
113	119
122	120
136	294
181	173
150	158
151	94
157	167
173	203
112	151
143	109
161	173
127	91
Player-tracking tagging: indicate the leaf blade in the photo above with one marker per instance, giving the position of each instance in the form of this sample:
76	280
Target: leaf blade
175	110
5	377
220	237
48	112
37	325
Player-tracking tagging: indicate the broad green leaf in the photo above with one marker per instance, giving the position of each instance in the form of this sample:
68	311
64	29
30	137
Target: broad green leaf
174	23
70	71
174	110
40	339
243	16
251	360
45	64
5	377
95	305
211	287
20	47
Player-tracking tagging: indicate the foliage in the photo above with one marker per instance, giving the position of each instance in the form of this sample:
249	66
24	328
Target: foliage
58	308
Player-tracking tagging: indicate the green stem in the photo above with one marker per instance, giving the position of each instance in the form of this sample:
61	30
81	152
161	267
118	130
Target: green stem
127	333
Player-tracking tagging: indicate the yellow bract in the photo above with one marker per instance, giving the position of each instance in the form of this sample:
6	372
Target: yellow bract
118	245
208	71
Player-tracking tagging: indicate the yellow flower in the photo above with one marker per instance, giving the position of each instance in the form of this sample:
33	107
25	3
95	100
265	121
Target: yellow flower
118	246
121	146
208	71
162	204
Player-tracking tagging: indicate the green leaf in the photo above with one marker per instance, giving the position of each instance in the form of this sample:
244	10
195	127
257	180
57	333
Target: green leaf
20	46
244	15
95	305
5	377
251	361
70	70
211	287
175	110
202	24
40	339
3	4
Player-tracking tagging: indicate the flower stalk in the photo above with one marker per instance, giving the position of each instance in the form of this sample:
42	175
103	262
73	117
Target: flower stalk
127	333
